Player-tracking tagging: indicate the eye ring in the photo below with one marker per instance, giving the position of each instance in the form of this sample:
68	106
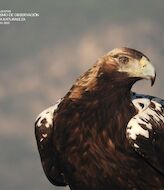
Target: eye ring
123	59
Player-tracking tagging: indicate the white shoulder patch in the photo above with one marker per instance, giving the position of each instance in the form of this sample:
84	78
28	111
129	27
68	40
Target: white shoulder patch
46	116
150	112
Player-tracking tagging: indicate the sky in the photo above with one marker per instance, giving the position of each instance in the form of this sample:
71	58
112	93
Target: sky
41	58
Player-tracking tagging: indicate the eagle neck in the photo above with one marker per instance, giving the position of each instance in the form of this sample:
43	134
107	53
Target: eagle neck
116	109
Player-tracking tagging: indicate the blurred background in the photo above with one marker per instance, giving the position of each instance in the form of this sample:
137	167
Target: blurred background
42	57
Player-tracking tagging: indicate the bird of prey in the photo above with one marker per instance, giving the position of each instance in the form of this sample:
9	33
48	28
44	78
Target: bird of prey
101	135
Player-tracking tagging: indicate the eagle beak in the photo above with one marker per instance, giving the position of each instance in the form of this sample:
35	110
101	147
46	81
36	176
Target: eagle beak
148	70
153	79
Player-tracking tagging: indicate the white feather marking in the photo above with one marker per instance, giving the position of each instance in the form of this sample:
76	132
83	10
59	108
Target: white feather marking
44	135
134	130
48	115
141	104
41	139
145	114
135	145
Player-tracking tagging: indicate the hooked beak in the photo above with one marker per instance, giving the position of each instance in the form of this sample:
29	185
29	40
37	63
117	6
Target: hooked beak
153	79
147	70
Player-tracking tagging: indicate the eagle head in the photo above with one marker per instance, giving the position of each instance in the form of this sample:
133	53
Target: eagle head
131	63
120	69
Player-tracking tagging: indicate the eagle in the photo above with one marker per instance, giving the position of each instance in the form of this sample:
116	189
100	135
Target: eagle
101	135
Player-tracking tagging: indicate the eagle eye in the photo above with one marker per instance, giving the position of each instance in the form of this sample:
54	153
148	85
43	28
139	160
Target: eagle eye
123	59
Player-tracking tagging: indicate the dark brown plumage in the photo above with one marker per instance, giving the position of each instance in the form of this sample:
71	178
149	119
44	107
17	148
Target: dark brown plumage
87	145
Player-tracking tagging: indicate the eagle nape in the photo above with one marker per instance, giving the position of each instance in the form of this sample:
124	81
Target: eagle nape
101	135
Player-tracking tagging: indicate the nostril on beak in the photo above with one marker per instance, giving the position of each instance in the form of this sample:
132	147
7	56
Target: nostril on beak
144	65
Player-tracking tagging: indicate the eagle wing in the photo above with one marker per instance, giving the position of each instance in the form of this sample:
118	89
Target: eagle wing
44	130
145	131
